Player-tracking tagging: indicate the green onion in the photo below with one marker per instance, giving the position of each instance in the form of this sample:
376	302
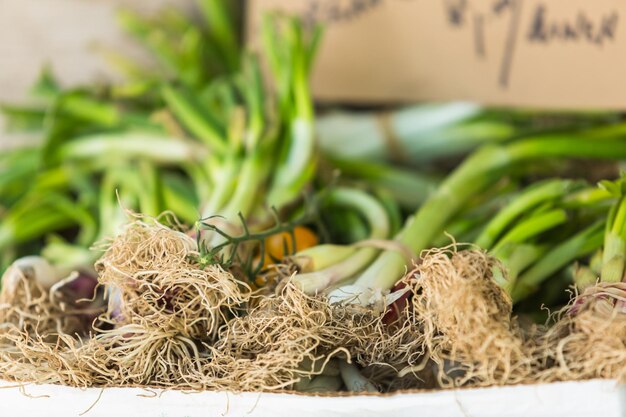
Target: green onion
290	50
195	118
111	147
423	133
355	261
579	245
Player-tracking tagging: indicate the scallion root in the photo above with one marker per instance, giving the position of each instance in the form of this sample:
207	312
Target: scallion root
283	339
152	269
165	312
26	307
588	339
465	317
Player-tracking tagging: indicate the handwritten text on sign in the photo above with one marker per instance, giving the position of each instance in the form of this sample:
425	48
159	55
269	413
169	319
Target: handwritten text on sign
548	53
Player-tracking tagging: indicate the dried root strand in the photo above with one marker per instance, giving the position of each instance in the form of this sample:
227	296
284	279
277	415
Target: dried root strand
269	348
290	335
588	339
26	307
159	332
150	267
40	331
28	358
140	354
176	324
169	312
465	318
384	347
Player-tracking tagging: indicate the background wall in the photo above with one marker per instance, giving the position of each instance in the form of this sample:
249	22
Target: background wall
66	34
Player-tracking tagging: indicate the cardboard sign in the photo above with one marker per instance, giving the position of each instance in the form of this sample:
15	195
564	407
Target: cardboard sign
542	53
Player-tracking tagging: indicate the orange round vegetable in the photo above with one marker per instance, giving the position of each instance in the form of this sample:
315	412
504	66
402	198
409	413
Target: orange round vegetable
275	245
275	248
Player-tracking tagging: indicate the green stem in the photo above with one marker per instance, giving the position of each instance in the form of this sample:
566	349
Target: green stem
409	188
250	181
297	166
353	379
614	253
222	28
149	188
531	227
515	259
375	215
240	177
290	58
106	147
530	198
32	225
199	122
320	383
578	245
114	199
86	108
223	189
322	256
478	172
179	196
152	36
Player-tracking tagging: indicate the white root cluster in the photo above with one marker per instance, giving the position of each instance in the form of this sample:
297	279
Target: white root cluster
172	323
